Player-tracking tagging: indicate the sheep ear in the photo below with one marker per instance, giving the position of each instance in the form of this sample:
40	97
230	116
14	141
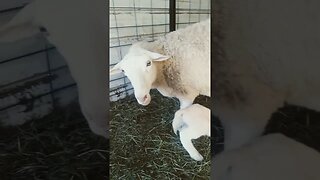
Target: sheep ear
157	57
115	70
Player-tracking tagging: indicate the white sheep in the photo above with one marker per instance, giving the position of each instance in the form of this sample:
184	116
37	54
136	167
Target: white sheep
78	29
262	60
273	156
177	65
192	122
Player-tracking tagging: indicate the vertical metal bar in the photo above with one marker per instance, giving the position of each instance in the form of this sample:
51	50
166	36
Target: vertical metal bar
152	24
50	76
118	36
211	68
135	19
178	15
199	11
137	35
116	27
189	12
172	12
211	10
166	19
108	79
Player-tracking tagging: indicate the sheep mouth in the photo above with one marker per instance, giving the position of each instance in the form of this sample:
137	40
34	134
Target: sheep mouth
146	101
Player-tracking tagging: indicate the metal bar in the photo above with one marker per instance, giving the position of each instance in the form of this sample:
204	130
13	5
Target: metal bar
172	14
146	25
50	75
136	36
165	17
25	55
187	22
39	96
153	9
135	18
127	45
11	9
115	79
120	92
34	76
189	11
152	21
211	68
199	10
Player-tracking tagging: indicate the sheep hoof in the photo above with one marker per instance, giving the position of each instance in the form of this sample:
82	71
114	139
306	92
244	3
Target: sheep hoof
175	131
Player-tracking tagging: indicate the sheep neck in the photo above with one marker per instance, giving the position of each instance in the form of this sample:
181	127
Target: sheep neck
160	81
168	79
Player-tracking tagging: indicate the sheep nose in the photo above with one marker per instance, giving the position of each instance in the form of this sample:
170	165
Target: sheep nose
145	98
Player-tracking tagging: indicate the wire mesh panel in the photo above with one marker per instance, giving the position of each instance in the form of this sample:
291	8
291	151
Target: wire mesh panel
134	20
131	21
191	11
34	77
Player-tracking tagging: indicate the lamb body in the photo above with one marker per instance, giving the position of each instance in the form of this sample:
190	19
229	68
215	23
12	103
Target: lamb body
179	65
192	122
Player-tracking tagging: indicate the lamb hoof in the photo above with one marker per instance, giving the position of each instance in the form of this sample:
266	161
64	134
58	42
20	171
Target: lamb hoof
175	129
197	157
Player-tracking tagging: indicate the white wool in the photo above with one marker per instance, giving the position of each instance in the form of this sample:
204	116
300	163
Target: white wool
192	122
78	30
185	56
190	47
273	156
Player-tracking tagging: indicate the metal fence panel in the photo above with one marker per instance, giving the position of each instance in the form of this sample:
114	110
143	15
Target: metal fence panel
33	75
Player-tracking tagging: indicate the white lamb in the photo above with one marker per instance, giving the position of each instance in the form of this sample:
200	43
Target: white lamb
177	65
78	29
192	122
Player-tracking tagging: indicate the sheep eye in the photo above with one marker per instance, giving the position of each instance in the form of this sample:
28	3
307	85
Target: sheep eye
122	70
148	63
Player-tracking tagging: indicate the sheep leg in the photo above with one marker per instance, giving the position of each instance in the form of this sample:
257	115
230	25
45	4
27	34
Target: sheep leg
185	138
177	122
185	103
187	99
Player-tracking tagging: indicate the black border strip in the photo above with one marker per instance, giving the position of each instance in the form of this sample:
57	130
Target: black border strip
211	79
172	13
107	85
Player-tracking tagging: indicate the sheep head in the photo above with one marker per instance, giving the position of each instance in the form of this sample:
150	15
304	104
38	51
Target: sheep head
139	65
